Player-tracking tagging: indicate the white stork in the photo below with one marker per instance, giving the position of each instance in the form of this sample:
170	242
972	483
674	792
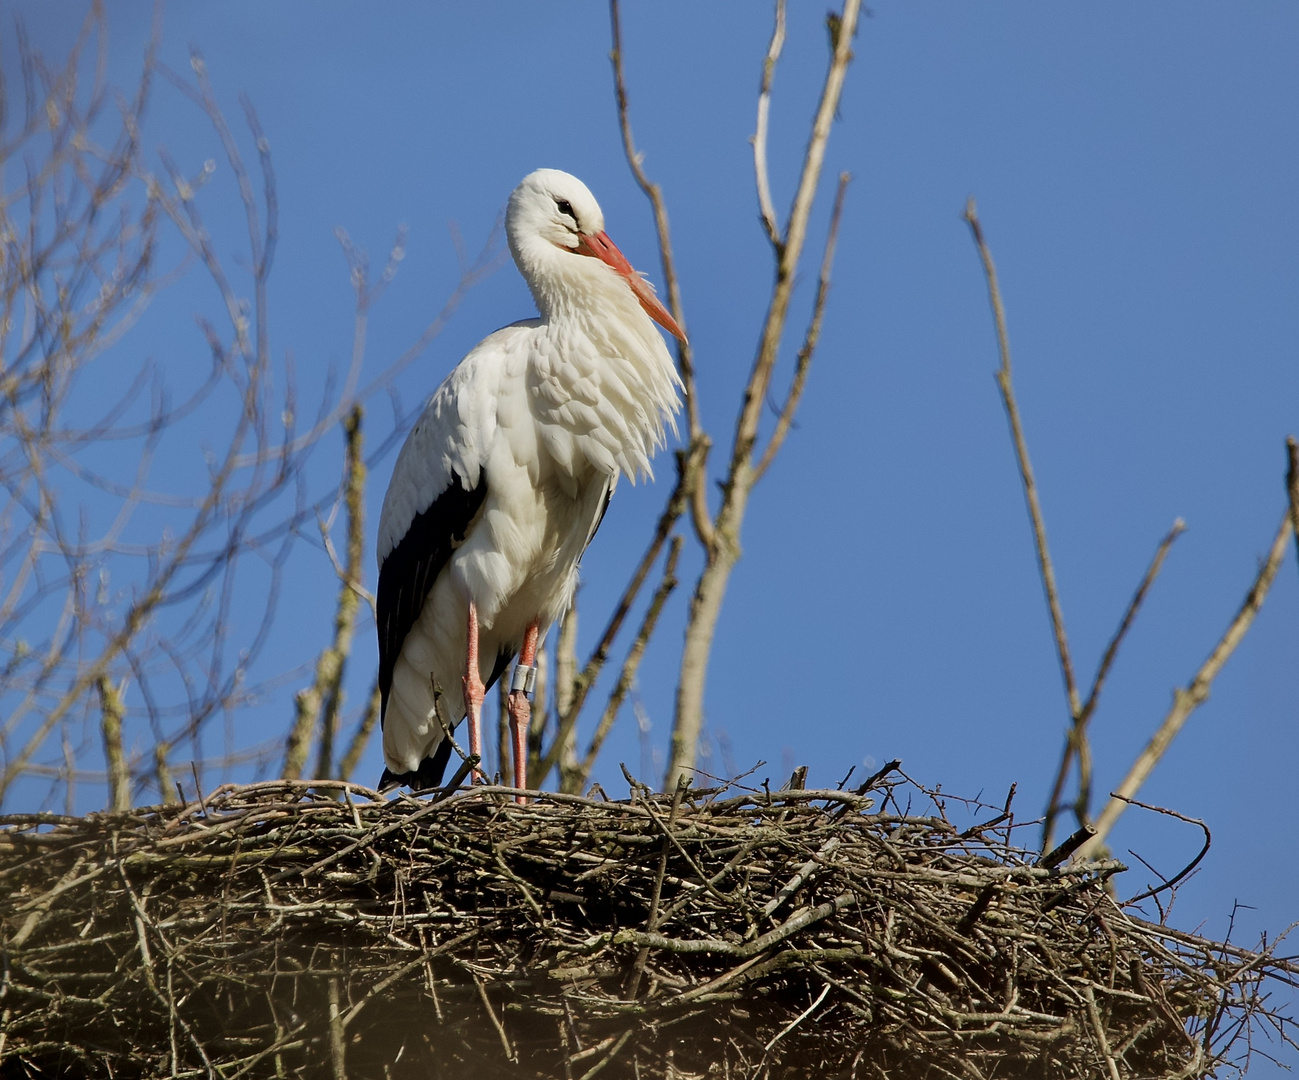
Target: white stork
504	479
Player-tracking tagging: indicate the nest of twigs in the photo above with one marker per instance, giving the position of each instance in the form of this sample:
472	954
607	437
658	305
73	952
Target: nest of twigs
283	929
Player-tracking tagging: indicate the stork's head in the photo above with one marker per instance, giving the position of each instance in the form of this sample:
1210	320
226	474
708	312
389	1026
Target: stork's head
553	219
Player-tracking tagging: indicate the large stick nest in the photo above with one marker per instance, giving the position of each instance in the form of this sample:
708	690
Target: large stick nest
274	930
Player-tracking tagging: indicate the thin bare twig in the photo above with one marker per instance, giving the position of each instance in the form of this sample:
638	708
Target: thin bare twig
566	685
361	736
688	465
1187	700
577	780
1292	486
803	363
685	357
652	920
1076	737
1182	873
317	707
797	1020
766	209
723	553
1007	388
1098	1029
496	1022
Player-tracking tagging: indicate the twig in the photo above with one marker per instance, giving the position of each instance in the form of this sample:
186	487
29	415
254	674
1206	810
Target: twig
723	552
1007	388
1076	737
1292	486
698	496
337	1047
1187	700
802	875
496	1022
766	208
1099	1030
362	734
566	685
112	710
1055	857
198	787
797	1020
688	466
651	922
576	781
804	361
614	1050
1170	882
318	705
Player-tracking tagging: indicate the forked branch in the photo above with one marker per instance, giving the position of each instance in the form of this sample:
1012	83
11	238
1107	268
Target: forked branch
1076	738
688	467
318	706
810	339
575	780
1186	700
742	470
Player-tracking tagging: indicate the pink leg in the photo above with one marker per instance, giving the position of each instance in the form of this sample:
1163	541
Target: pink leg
521	710
475	691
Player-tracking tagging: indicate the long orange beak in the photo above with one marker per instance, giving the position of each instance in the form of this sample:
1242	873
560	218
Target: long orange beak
604	249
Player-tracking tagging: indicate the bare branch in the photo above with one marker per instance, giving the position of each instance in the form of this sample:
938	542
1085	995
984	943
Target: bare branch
804	362
724	551
1025	467
1182	873
687	471
1187	700
321	702
111	712
791	252
362	734
566	685
537	723
685	357
1292	486
1076	736
766	209
162	773
575	781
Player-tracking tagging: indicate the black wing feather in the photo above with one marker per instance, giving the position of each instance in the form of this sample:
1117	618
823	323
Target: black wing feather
408	573
432	768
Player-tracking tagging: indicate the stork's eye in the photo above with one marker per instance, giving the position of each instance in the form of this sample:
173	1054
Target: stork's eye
566	207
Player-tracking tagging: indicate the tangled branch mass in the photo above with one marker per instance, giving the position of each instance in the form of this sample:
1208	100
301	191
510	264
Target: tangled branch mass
289	929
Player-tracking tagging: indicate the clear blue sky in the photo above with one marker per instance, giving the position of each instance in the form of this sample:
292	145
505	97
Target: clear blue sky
1136	169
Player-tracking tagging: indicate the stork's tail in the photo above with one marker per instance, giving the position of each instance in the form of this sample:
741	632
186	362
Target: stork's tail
428	775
